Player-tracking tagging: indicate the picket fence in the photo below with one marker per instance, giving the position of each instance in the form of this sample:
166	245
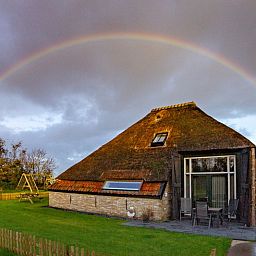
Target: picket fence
28	245
9	196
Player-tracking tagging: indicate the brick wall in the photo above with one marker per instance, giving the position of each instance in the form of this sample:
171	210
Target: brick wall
111	205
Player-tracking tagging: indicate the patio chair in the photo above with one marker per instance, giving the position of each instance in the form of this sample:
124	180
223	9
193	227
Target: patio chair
185	207
232	209
203	199
202	213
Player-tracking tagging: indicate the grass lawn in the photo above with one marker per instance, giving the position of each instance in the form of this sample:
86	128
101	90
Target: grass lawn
104	235
6	253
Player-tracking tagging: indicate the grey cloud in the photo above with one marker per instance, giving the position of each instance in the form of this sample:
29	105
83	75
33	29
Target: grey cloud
101	88
222	26
112	74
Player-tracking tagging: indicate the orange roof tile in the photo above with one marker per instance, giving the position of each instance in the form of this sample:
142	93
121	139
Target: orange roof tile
153	189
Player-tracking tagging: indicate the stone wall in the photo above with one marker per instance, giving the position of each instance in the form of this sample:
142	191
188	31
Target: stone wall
111	205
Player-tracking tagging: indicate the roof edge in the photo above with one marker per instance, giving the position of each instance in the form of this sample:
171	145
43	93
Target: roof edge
185	104
250	143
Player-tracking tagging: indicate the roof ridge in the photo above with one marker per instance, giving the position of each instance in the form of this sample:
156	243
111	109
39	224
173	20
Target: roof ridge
185	104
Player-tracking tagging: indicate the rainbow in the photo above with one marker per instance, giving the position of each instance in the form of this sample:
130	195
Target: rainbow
176	42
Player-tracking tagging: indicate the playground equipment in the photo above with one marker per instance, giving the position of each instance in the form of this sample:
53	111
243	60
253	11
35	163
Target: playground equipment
27	182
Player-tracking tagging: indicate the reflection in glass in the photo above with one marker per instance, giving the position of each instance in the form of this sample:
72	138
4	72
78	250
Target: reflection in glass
123	185
219	193
232	192
211	164
200	187
232	163
187	186
187	165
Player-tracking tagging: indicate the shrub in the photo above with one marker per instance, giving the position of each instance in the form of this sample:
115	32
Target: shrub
147	214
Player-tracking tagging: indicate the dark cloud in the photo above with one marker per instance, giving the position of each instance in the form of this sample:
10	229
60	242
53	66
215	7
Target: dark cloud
228	27
85	95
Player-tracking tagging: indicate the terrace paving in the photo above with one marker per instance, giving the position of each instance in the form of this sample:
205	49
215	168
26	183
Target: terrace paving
244	248
233	230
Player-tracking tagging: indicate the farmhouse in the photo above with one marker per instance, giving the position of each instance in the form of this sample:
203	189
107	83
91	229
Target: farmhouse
173	152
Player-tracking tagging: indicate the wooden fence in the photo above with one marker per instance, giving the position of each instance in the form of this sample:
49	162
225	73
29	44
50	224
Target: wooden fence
13	196
28	245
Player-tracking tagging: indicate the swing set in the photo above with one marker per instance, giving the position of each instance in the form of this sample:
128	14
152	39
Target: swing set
28	183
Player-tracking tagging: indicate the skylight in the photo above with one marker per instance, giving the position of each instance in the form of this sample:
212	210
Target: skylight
159	139
123	185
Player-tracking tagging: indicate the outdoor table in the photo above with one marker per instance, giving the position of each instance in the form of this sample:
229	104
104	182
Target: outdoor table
217	212
28	196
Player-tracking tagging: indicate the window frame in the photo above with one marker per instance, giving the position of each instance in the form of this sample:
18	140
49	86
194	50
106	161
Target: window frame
188	173
107	184
159	143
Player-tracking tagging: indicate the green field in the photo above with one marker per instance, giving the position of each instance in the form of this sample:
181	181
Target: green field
104	235
6	253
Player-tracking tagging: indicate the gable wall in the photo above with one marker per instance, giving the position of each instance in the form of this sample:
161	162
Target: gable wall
112	205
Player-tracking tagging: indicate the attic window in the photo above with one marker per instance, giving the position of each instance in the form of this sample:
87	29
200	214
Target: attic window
159	139
123	185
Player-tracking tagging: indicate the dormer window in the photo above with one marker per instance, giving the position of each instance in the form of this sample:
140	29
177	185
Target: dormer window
159	139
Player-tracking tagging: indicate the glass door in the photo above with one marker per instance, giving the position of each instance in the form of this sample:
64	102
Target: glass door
219	191
211	177
200	187
212	188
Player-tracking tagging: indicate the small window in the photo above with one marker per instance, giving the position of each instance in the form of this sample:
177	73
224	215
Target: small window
159	139
123	185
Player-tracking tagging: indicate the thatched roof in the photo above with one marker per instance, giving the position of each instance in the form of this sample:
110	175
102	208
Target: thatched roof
130	155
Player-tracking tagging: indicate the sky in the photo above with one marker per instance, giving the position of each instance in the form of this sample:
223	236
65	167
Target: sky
74	74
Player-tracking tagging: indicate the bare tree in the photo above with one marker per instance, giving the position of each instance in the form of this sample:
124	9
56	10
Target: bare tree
40	164
16	160
2	148
14	152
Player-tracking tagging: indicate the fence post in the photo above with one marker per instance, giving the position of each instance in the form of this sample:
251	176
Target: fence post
77	251
40	247
1	237
213	252
9	245
72	250
5	238
53	248
58	249
49	247
13	241
67	251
